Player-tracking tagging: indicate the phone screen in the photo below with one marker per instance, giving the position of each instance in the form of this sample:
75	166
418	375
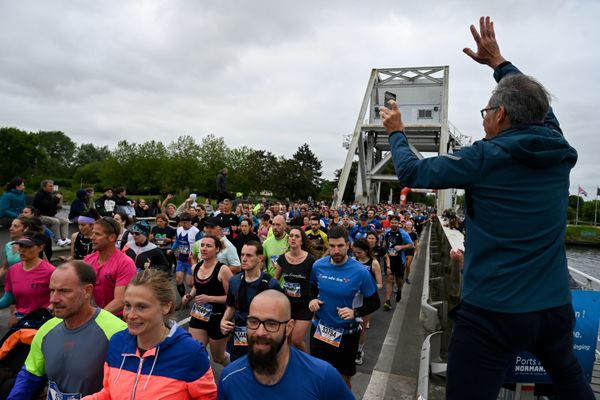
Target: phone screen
389	96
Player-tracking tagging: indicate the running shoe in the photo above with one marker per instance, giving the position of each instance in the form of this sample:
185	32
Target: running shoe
61	242
387	306
398	297
359	357
407	281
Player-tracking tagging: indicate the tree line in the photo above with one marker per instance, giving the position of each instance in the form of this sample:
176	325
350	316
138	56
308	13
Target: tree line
183	165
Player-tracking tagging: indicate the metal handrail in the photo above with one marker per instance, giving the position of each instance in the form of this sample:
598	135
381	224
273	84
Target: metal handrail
590	279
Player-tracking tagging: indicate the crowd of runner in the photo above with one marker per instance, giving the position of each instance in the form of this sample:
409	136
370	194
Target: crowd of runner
321	265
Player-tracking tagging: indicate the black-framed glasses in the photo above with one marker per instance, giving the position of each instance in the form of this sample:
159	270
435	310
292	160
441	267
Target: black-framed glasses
485	110
270	325
136	233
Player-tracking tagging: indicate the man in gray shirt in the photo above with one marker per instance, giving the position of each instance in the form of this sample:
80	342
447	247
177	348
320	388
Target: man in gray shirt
68	351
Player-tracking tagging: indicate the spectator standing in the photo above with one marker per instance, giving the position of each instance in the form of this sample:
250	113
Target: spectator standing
222	185
520	172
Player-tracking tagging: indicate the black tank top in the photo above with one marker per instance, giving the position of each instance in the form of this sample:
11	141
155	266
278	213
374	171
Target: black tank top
82	247
369	264
210	286
296	278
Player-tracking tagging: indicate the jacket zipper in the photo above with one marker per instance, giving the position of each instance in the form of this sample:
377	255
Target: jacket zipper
137	378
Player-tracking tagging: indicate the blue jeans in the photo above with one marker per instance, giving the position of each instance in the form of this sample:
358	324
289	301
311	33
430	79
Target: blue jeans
484	342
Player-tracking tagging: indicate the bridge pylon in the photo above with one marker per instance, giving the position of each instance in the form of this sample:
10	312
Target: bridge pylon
422	95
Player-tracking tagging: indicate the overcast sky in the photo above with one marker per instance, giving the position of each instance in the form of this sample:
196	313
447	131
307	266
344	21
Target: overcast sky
275	74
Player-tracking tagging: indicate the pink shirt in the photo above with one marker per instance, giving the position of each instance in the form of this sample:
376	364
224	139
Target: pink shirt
118	270
30	288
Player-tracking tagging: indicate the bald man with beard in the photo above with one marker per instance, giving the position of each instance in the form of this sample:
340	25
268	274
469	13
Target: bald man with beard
272	369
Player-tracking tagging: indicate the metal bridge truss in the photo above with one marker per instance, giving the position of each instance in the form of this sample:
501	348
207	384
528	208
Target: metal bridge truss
422	95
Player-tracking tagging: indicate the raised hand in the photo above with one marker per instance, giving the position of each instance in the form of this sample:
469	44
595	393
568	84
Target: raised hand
488	51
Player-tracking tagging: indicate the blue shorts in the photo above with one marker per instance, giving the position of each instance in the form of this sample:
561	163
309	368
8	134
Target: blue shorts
183	267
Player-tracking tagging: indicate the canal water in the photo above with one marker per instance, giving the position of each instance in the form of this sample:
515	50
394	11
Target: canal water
586	259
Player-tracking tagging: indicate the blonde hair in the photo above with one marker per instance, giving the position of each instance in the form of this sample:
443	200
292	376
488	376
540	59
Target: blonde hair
160	285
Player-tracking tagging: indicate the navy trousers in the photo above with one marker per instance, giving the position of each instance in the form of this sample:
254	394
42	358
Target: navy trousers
484	342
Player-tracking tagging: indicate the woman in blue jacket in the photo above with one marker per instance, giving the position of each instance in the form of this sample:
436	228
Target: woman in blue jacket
12	202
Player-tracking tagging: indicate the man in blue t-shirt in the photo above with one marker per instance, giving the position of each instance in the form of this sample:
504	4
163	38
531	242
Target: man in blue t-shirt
361	229
272	369
243	287
335	281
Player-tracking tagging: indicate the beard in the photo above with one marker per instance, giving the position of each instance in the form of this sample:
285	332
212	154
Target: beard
265	363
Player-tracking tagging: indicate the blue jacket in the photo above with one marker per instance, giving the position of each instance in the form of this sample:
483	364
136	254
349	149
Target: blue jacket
12	203
516	194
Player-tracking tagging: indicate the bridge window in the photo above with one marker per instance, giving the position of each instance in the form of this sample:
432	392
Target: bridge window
425	114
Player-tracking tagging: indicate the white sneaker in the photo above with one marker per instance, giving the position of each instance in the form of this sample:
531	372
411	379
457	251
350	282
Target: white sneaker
60	242
67	242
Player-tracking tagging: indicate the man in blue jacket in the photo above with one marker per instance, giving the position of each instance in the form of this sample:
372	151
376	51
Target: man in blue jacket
515	294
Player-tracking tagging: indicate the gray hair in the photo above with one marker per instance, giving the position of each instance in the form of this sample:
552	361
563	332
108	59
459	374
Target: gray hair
525	100
45	182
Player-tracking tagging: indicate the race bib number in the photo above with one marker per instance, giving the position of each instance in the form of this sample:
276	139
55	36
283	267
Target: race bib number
240	337
392	251
226	231
55	394
292	289
274	259
329	335
184	249
201	311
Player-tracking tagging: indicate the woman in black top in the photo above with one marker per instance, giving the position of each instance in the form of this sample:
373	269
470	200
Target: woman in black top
295	267
211	282
363	254
81	241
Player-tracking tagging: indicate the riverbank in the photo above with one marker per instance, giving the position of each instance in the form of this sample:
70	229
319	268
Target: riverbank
585	235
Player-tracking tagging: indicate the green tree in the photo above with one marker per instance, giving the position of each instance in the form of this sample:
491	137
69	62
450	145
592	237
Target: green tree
310	172
59	150
19	153
348	196
87	153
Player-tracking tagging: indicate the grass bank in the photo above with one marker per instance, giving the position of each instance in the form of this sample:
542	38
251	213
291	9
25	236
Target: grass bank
583	234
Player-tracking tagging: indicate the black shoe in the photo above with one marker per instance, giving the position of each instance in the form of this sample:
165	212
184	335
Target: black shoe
407	281
398	297
387	306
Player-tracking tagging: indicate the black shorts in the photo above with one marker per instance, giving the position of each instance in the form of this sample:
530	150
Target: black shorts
397	266
409	252
212	327
342	358
300	312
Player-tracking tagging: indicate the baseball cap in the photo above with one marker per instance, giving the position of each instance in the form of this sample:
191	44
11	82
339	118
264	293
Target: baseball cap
31	239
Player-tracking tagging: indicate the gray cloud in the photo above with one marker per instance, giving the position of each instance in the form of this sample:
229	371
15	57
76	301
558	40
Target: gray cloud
275	74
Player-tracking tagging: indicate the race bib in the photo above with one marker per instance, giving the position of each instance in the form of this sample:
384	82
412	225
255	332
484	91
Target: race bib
240	337
274	259
329	335
226	231
201	311
292	289
392	251
55	394
184	249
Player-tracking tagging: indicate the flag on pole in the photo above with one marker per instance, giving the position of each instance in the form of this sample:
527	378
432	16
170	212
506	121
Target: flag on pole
581	191
598	191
